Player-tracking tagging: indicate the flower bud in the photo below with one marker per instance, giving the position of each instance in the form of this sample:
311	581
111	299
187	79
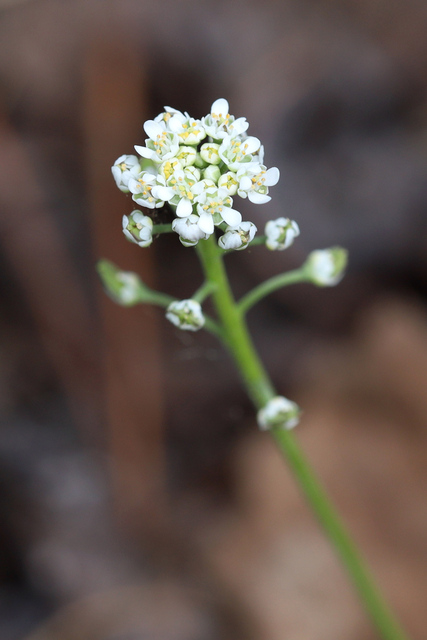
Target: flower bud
279	412
212	172
237	237
209	152
138	228
199	162
186	314
124	287
280	233
325	267
188	230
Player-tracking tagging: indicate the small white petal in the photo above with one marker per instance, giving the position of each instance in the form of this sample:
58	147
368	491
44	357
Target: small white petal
163	193
231	216
220	107
272	177
145	152
153	129
184	208
251	144
258	198
206	223
245	183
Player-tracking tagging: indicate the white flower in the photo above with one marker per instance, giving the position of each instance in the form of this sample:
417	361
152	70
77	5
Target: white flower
164	118
161	144
141	187
235	152
214	207
229	182
138	228
255	185
209	153
325	268
189	231
183	186
186	314
167	167
124	168
186	155
219	123
279	412
281	233
238	237
188	130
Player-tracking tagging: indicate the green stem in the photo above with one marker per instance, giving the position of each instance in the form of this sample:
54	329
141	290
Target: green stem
267	287
204	291
261	390
161	228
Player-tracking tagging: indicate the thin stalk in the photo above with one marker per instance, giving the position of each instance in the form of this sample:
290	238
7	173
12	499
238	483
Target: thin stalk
267	287
261	390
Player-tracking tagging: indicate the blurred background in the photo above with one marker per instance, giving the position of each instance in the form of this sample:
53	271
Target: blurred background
138	499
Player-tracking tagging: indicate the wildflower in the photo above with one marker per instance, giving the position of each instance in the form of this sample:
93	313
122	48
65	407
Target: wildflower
326	267
161	144
255	185
141	188
183	187
238	237
281	233
279	412
188	130
209	152
214	207
138	228
219	123
186	314
186	156
238	151
124	168
189	231
229	182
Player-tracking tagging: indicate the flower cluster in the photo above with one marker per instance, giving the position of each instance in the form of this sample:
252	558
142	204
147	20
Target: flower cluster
196	166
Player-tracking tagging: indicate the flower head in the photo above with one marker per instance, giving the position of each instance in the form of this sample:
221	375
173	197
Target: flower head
186	314
197	166
279	412
280	233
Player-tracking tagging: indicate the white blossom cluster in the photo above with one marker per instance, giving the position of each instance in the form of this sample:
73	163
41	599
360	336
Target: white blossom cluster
197	166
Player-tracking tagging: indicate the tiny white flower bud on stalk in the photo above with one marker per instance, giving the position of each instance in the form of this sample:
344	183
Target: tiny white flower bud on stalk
189	231
237	238
186	314
279	412
124	168
124	287
138	228
326	267
280	233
